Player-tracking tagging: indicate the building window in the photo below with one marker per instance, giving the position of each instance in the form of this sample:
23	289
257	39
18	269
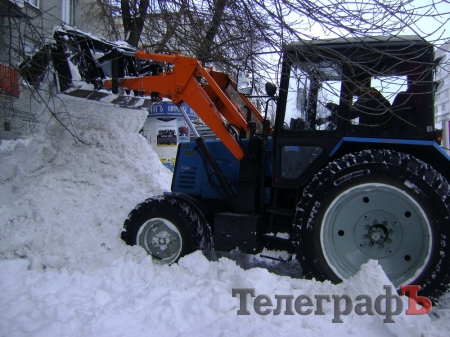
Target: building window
443	107
34	3
68	12
9	80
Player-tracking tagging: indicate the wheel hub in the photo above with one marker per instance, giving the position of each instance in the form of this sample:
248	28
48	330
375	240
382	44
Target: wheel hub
378	234
161	238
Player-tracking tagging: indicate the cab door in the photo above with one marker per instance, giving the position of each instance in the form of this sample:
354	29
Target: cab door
307	126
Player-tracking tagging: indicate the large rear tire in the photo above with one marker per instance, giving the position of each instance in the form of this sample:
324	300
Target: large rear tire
380	205
167	228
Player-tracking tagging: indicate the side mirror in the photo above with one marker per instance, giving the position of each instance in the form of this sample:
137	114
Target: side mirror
271	89
437	85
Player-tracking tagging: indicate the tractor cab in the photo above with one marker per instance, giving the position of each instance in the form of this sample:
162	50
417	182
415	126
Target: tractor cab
378	87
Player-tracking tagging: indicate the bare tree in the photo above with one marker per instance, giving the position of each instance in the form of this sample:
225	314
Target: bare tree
105	15
134	13
234	33
246	36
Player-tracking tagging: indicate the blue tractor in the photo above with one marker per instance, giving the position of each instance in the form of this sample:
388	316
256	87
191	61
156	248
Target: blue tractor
351	169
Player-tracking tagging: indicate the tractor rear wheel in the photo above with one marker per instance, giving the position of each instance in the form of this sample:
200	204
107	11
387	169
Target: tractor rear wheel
167	228
380	205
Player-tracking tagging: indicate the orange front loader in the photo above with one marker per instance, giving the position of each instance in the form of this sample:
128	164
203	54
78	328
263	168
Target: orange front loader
202	88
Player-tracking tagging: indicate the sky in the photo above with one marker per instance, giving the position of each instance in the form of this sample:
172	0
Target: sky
427	18
66	272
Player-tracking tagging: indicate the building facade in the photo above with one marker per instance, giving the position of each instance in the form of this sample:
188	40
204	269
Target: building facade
442	96
25	27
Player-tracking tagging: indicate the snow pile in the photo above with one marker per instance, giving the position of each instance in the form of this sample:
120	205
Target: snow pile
65	271
63	202
193	298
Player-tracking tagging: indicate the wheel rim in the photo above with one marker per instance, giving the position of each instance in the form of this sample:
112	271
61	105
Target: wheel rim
161	239
379	222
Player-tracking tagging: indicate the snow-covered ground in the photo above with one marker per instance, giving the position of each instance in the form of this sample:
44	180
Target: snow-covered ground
64	271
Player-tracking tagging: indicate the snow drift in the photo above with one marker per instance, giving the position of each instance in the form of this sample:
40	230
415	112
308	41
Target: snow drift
65	271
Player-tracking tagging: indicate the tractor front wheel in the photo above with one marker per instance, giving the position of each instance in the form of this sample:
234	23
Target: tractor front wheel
167	228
